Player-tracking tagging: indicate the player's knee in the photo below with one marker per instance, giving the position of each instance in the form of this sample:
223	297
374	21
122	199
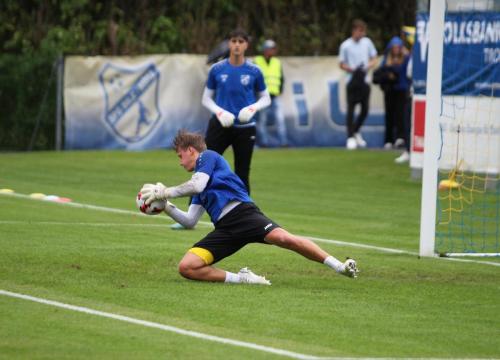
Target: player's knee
187	270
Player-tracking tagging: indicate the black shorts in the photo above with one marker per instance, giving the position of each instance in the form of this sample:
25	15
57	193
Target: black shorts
243	225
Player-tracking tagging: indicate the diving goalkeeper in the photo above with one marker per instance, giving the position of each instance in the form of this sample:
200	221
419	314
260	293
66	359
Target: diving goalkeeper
238	221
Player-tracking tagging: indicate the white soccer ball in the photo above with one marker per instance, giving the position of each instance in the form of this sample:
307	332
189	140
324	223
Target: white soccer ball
154	208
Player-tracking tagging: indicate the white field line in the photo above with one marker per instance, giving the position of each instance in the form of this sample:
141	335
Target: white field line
163	327
363	246
184	332
100	208
63	223
208	224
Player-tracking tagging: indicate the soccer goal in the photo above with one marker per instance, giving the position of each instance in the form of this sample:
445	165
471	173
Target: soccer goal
460	213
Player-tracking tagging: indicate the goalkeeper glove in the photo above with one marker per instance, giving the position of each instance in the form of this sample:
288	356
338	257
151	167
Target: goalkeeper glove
246	114
225	118
152	192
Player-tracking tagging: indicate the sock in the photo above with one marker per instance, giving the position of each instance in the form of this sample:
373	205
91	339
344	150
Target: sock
232	278
334	264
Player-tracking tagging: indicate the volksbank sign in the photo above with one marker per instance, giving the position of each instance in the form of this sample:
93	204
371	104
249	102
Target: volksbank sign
471	54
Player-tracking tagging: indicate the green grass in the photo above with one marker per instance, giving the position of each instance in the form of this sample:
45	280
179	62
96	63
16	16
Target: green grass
400	306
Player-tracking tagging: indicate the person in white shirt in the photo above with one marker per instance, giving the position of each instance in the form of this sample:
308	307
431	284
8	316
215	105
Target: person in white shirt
357	55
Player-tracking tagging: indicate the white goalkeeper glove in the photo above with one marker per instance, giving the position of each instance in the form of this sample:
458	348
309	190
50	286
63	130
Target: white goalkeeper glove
225	118
246	114
151	192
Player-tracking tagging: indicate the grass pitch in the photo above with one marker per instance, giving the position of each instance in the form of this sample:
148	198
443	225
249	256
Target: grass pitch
400	306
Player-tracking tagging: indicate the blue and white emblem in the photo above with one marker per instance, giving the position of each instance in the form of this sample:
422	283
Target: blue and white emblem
245	79
223	77
131	98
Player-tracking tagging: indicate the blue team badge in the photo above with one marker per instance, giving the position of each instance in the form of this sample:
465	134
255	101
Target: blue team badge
245	79
131	98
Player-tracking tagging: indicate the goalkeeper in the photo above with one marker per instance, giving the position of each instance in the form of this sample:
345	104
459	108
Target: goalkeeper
238	221
230	94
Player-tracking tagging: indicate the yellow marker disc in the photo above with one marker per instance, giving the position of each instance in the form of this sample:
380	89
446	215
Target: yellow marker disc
448	184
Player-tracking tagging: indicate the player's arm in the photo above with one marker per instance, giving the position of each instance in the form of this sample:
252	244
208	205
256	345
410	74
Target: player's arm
187	219
282	82
249	111
225	117
372	63
264	100
343	59
193	186
346	67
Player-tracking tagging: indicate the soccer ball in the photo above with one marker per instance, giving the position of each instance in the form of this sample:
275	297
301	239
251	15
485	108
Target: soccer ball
154	208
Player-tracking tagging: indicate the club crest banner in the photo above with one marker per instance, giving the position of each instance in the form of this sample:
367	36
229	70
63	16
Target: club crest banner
139	103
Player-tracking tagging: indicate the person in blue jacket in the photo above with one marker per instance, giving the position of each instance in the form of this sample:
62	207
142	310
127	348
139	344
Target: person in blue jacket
393	79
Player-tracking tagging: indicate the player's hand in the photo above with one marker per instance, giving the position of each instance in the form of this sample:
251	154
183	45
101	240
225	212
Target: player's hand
225	118
152	192
246	114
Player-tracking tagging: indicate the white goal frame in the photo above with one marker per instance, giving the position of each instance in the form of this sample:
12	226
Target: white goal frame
432	137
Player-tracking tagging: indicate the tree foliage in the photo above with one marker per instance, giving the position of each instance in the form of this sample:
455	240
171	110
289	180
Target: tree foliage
125	27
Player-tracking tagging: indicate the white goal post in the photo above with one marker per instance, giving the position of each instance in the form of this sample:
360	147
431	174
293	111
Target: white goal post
431	141
459	87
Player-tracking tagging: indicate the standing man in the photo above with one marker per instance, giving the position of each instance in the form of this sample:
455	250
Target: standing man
274	79
238	221
230	94
357	55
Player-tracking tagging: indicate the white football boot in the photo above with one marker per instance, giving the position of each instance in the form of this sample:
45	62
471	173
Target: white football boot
359	140
403	158
248	277
351	144
350	268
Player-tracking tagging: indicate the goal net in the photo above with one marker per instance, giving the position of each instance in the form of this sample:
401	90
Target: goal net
466	132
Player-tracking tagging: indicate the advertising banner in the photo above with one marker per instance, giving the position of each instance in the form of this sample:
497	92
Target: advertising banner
470	104
471	54
138	103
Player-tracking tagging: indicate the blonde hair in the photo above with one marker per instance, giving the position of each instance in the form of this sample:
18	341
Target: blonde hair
185	139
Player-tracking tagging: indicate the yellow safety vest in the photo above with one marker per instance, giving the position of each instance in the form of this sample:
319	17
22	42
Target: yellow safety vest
271	72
